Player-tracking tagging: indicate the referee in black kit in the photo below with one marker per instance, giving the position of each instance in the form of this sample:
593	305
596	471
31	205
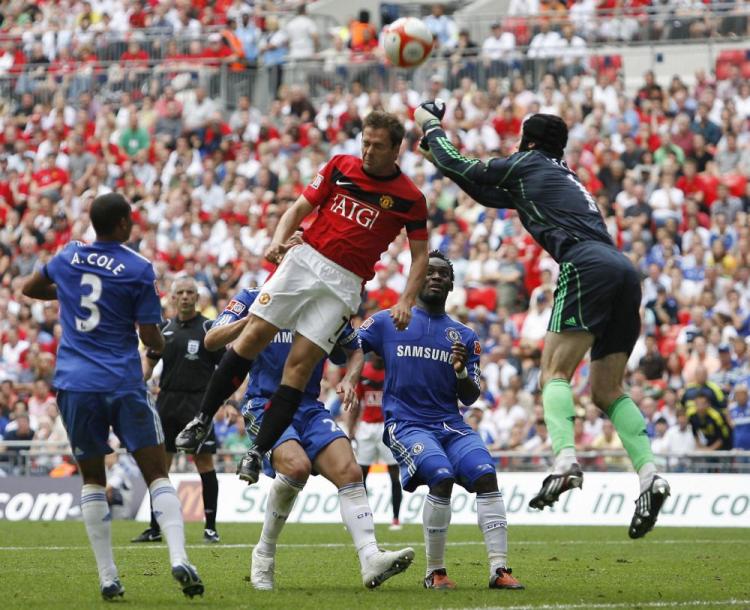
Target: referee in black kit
187	367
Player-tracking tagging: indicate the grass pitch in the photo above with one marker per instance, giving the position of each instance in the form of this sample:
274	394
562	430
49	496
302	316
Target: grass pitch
49	565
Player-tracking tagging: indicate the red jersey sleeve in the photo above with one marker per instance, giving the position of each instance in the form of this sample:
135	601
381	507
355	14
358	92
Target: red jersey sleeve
320	188
416	226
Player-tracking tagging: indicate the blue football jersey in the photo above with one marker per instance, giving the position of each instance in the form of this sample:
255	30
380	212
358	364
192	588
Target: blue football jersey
104	289
265	374
420	384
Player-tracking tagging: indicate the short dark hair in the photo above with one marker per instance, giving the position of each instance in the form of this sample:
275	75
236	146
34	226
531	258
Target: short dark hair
443	257
107	211
378	119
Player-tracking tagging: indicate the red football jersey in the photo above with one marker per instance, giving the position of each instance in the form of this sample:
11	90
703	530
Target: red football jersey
360	215
370	392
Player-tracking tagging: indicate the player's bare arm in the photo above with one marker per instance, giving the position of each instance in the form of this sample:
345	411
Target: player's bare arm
39	286
401	311
468	390
347	387
151	337
282	238
220	336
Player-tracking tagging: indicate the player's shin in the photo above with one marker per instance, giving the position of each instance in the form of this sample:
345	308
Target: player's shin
559	413
493	524
225	380
278	417
631	428
210	491
168	513
436	517
357	516
280	503
98	521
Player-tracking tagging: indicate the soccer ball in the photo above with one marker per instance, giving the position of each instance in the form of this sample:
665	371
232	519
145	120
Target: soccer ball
407	42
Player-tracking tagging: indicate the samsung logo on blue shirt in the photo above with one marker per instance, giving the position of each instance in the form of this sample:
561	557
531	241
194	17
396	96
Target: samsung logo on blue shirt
419	351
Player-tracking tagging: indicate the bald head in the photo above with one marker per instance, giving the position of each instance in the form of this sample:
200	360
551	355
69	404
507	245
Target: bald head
184	296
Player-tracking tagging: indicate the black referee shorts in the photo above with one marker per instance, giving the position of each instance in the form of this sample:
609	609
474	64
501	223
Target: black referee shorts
598	290
176	409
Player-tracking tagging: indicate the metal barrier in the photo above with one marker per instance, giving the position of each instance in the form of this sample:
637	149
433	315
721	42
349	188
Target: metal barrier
39	458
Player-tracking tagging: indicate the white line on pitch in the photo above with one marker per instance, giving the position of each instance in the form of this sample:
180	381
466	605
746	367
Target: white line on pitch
605	606
338	545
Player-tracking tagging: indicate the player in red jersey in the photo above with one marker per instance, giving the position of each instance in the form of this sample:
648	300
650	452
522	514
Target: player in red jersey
362	205
366	427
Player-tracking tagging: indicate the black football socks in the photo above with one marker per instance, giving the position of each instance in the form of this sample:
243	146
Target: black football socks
278	416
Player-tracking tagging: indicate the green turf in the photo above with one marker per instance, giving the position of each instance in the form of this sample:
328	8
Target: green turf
570	566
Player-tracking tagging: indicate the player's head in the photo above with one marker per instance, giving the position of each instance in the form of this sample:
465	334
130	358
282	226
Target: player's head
110	216
184	295
381	141
438	281
545	132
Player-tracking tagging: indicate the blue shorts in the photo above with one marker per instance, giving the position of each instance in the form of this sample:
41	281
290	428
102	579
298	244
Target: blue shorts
428	453
88	416
313	427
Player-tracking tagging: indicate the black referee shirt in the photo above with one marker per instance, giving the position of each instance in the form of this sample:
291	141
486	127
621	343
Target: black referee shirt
188	365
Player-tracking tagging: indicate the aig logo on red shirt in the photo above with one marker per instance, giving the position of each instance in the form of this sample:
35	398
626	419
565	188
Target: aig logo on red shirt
353	210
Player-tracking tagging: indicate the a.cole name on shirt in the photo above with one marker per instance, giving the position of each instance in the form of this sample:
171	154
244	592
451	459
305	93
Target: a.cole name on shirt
354	210
428	353
102	261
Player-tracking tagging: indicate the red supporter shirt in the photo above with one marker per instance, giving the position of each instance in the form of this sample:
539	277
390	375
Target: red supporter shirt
370	393
360	215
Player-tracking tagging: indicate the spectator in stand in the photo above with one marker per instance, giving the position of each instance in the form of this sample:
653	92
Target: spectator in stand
709	425
442	27
302	34
546	43
274	47
726	204
607	440
249	36
135	138
498	50
739	418
652	363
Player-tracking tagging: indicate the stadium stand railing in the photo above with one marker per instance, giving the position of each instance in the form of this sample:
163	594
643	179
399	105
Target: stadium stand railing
40	458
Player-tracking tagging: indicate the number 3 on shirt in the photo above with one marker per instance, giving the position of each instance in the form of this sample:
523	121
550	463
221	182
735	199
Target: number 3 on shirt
88	301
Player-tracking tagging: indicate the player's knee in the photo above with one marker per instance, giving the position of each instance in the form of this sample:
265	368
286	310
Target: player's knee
604	396
350	472
553	373
486	484
442	489
293	464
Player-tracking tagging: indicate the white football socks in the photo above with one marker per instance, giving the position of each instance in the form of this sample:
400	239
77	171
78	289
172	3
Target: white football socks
357	516
646	475
168	513
436	517
98	521
494	526
564	460
280	503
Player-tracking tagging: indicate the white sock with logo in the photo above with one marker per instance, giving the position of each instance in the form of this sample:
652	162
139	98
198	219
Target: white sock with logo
280	503
494	526
98	521
357	516
436	517
168	512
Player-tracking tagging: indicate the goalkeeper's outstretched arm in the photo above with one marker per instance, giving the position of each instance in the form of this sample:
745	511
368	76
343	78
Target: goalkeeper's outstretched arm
461	170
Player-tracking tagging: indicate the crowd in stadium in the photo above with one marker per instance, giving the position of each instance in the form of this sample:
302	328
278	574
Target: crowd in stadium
668	167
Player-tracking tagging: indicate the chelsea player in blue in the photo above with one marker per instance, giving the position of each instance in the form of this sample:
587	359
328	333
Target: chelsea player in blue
314	440
105	291
428	368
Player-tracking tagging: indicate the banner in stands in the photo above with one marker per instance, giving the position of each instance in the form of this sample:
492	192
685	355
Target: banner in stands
698	500
50	499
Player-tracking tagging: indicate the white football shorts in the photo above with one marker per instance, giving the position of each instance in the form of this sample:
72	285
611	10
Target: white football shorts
370	446
309	294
